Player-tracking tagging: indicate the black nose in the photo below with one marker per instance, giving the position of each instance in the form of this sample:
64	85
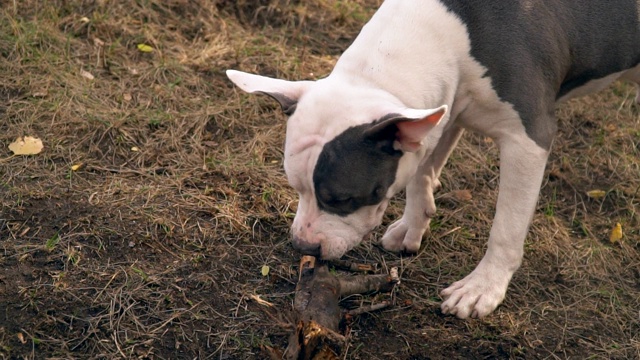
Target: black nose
305	247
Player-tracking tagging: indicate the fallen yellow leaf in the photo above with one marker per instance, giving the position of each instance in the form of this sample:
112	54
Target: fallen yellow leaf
616	234
87	75
596	194
26	146
462	195
265	270
76	167
145	48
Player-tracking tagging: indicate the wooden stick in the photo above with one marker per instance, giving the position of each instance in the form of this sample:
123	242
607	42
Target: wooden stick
369	308
317	312
368	283
353	266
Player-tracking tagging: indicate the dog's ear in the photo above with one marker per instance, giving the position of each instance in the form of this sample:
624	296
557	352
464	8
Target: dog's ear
409	126
285	92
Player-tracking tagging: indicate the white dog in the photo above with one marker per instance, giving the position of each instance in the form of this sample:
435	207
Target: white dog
399	97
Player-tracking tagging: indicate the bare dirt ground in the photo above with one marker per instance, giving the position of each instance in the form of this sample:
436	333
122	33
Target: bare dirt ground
153	248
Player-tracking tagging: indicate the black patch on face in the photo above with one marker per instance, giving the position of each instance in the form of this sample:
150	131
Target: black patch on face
356	168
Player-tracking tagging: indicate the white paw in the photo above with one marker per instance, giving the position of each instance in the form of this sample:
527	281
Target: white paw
400	236
478	294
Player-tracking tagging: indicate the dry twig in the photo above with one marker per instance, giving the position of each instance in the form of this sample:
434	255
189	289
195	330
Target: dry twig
318	314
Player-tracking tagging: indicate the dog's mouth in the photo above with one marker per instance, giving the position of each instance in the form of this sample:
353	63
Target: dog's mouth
317	252
316	249
306	248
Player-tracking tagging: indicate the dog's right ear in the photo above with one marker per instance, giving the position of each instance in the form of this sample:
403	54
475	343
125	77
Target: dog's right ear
285	92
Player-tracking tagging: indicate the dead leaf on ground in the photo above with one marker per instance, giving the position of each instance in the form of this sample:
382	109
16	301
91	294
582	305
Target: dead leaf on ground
40	93
616	234
462	195
87	75
459	195
26	146
265	270
145	48
596	194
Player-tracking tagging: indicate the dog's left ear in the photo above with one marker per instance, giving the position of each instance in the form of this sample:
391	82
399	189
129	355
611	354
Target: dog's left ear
285	92
411	126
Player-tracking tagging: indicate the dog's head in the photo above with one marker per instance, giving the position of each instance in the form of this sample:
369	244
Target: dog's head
349	148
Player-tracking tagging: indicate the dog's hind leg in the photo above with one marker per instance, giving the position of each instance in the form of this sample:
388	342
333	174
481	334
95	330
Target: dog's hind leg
633	75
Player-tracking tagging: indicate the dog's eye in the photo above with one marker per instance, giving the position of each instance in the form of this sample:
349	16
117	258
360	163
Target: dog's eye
340	201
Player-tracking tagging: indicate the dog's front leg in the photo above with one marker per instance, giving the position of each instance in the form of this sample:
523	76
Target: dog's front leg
522	164
406	233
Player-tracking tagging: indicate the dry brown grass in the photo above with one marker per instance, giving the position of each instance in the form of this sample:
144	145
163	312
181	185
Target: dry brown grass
156	253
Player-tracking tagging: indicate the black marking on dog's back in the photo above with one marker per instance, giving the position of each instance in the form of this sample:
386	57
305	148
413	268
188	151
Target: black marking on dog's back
355	169
537	51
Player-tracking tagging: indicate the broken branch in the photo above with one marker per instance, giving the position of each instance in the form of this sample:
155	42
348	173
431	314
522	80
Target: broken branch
317	310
